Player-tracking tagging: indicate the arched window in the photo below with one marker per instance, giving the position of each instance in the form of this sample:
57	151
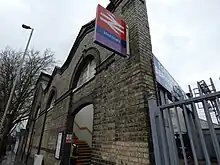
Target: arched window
38	112
87	72
51	100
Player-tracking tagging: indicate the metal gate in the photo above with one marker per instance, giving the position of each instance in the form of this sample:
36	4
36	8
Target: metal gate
177	133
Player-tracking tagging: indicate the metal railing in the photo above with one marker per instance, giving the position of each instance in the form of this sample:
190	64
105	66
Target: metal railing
190	147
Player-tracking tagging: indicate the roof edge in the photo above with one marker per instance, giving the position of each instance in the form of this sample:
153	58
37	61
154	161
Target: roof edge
85	29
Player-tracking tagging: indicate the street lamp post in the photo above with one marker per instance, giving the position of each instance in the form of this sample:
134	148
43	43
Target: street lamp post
16	79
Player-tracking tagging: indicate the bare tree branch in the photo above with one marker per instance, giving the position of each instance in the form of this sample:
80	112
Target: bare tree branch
34	64
20	120
13	128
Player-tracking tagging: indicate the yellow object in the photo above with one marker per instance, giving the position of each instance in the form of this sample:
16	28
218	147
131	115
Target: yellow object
74	150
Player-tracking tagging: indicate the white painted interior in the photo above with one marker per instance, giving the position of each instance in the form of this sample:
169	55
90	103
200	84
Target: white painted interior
38	159
84	119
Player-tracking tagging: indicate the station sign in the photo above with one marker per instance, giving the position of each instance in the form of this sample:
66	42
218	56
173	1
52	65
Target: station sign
164	78
68	138
111	32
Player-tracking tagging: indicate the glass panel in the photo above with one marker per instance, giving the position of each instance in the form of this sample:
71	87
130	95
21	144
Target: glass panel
92	68
83	76
52	102
80	80
87	72
38	112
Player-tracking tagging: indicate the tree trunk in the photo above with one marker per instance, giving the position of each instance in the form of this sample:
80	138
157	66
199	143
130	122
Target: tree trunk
6	131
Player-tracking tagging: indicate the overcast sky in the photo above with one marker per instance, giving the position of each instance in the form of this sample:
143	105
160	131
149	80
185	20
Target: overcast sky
184	33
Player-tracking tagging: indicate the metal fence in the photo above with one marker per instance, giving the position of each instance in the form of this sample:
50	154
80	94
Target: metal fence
179	147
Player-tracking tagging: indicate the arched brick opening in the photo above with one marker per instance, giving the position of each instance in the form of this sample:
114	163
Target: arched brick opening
74	109
83	124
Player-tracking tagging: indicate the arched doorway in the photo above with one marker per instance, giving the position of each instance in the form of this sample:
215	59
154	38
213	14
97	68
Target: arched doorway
83	124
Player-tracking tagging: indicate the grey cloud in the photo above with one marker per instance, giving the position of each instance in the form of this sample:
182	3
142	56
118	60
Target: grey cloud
56	23
188	41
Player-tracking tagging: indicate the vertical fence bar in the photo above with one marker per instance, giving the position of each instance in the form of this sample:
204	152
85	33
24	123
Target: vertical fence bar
167	130
212	131
154	109
217	102
169	137
195	137
180	134
211	127
190	134
174	147
163	138
199	129
201	136
181	137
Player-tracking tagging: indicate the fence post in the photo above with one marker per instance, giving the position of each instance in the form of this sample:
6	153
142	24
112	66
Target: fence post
190	135
172	135
212	131
154	109
211	127
181	136
217	102
199	129
167	128
195	137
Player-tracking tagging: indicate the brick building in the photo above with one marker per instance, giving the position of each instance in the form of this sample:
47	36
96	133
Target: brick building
99	97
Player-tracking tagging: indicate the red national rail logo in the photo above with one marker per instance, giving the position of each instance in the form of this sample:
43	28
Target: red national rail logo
111	32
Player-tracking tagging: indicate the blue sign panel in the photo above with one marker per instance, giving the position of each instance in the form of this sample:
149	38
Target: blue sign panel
111	32
166	80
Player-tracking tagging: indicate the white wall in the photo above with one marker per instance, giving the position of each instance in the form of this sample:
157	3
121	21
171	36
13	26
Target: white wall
84	119
84	135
